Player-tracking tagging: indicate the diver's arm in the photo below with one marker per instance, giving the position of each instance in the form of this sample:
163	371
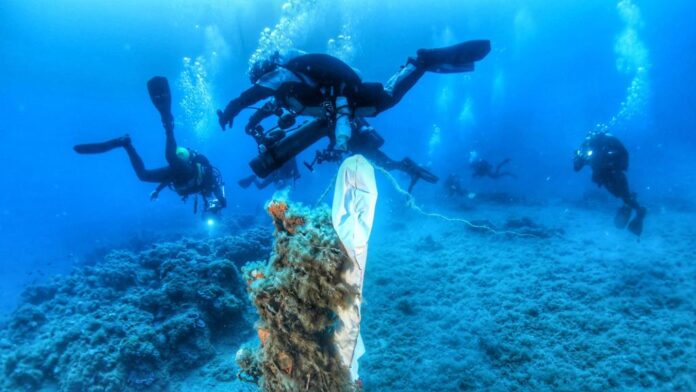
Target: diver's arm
268	109
249	97
154	194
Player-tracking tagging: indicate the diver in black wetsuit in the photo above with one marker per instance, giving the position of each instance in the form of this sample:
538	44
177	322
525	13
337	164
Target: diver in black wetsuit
284	176
482	168
188	172
453	186
323	86
608	159
364	140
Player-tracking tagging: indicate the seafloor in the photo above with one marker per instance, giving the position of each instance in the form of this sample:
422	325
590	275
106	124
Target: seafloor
579	306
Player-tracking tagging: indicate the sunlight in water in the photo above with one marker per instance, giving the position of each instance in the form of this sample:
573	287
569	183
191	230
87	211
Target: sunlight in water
435	140
196	80
297	17
632	59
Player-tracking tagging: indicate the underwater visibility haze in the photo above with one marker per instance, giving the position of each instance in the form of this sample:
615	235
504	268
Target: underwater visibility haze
493	265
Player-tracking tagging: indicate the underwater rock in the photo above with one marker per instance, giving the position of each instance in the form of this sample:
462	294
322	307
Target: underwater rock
296	294
132	320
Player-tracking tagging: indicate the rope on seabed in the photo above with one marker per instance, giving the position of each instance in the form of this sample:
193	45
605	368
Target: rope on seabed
411	203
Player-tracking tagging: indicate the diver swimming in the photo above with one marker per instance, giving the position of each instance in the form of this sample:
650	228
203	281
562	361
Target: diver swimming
279	146
482	168
608	158
187	173
322	86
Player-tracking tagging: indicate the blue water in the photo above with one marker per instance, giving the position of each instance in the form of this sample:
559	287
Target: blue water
75	71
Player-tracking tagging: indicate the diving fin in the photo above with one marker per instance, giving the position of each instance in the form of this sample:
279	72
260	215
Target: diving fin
246	182
98	148
455	58
161	96
623	214
636	225
417	173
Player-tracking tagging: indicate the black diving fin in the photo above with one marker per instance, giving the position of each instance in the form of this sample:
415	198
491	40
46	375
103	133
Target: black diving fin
456	58
623	214
636	225
161	96
417	173
98	148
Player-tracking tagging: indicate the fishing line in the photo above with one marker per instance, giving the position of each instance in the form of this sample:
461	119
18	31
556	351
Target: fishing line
328	189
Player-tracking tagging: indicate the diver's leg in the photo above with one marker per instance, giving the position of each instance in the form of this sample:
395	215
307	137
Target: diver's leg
501	164
160	175
170	147
617	184
636	225
455	58
382	160
99	148
397	86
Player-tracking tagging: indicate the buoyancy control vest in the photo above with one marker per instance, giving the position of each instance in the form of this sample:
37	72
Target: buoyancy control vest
199	181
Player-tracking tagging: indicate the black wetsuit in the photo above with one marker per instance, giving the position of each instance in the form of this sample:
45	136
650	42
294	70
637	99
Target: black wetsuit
453	186
197	176
186	177
364	140
305	83
483	168
608	158
294	87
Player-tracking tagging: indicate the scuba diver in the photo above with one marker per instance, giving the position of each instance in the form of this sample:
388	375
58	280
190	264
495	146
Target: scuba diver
366	141
324	87
279	143
453	186
284	176
482	168
608	159
188	172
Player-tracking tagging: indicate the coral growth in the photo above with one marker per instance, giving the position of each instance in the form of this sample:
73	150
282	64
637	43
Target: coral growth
130	321
282	221
296	295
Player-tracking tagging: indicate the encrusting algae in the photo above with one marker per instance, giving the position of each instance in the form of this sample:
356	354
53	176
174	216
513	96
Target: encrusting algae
296	294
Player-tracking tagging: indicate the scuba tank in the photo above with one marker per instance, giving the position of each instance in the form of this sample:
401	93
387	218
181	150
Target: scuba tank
285	149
